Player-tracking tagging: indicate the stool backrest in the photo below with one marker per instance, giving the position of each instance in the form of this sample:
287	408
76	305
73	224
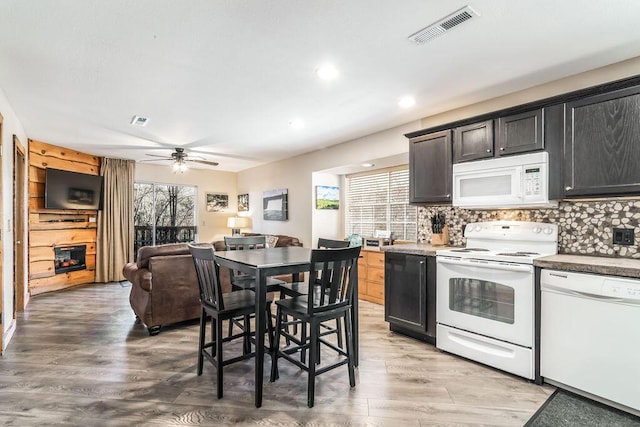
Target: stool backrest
332	277
332	244
204	261
243	243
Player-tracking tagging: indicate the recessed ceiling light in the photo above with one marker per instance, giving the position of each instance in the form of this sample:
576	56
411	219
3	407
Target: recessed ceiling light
367	165
139	121
407	102
327	72
296	124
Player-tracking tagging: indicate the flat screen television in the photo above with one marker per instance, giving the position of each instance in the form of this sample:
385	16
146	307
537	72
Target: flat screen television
72	190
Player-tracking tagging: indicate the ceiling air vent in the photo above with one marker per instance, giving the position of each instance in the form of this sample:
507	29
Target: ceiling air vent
443	25
139	121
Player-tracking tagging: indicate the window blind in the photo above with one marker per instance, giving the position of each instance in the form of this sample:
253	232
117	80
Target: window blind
380	201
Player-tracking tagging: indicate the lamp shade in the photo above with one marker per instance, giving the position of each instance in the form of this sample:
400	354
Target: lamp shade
238	222
235	223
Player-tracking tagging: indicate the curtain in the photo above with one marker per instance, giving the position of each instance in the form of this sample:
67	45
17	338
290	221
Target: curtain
114	247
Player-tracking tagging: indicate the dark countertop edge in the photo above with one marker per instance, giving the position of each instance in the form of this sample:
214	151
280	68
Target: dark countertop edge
623	267
414	249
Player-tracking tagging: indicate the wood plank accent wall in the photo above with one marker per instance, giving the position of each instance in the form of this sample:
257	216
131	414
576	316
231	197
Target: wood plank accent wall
58	227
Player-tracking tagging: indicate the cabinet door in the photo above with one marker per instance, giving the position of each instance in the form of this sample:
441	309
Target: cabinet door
406	291
430	168
520	133
602	144
473	142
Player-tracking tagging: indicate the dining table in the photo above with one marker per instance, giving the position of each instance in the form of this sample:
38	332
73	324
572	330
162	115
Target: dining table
267	262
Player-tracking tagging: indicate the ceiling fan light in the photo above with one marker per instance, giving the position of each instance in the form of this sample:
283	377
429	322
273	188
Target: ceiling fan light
179	166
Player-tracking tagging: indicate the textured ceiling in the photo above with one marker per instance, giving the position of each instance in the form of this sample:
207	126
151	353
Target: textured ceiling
225	77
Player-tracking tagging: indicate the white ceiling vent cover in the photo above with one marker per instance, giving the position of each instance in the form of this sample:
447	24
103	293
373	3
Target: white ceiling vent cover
443	25
139	121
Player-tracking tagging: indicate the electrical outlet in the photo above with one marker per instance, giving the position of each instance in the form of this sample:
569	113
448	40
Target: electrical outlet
623	236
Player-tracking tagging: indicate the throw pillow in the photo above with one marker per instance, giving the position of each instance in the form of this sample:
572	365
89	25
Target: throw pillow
271	241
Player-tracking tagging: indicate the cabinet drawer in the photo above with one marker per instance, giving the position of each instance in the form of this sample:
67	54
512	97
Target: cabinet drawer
375	275
375	290
375	259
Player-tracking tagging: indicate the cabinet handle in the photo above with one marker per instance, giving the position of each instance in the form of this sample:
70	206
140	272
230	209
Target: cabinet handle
488	150
448	195
501	148
568	188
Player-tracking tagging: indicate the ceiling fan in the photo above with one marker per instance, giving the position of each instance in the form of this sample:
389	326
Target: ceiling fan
180	159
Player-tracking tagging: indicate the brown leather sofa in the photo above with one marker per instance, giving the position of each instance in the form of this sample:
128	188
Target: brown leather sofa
164	286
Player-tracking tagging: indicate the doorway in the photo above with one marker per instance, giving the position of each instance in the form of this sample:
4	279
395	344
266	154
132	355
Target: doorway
19	242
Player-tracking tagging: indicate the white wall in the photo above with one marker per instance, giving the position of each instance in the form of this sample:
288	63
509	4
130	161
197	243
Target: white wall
296	174
211	225
11	126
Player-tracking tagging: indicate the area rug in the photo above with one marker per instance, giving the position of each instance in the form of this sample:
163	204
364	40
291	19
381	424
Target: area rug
568	409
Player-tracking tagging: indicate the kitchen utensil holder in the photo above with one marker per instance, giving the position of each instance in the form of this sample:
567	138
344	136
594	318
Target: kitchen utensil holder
441	239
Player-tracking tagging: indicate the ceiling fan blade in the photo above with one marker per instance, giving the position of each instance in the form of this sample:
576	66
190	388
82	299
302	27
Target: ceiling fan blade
155	160
157	155
204	162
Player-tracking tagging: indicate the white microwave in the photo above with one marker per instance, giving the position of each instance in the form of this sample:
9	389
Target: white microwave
520	181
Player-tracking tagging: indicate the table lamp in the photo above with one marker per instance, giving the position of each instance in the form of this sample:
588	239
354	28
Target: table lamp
235	223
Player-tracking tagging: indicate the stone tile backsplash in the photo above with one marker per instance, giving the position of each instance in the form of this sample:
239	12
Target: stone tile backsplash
584	227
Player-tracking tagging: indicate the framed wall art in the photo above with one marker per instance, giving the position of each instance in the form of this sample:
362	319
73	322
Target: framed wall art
327	197
243	202
275	205
217	202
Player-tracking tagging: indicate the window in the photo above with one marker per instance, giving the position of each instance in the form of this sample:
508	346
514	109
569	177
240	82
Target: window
164	213
380	201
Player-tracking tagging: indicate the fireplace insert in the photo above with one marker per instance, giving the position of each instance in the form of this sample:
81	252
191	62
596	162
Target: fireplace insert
70	258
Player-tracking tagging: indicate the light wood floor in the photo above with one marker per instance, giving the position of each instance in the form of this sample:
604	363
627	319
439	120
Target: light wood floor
78	358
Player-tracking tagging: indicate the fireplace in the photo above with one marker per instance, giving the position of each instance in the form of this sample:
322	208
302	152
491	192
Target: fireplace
70	258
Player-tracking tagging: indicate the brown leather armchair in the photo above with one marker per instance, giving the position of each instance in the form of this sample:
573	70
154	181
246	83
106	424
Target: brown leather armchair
164	286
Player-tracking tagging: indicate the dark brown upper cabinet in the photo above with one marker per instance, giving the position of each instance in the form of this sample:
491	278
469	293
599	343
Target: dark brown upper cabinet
602	144
520	133
430	171
473	142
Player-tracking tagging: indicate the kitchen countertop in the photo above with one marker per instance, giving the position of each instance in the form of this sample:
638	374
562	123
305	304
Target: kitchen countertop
415	249
625	267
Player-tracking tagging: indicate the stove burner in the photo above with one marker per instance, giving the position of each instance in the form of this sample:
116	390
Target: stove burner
470	250
518	253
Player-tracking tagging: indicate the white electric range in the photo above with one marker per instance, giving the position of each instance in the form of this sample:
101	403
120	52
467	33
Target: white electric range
485	293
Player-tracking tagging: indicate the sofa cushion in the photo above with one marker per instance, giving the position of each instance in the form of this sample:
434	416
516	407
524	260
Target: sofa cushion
147	252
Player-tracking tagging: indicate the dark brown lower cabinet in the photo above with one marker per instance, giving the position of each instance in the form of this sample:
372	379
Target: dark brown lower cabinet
410	295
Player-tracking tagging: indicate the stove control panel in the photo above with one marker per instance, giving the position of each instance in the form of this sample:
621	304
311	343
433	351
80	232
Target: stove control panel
515	229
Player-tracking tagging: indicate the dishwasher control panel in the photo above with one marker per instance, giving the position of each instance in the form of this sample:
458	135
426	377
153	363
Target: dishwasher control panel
592	285
621	288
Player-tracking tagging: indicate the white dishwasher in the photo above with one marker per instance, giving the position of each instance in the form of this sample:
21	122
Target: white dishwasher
590	336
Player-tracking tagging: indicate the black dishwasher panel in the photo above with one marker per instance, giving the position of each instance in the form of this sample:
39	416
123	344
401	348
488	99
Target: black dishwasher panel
410	294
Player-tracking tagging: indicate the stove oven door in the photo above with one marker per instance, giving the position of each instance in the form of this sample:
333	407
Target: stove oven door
488	298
